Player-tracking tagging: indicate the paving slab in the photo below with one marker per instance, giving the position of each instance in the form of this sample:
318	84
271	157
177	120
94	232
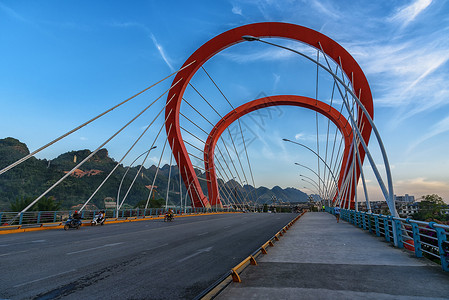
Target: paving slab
319	258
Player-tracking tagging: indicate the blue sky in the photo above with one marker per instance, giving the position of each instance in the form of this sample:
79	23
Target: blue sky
63	62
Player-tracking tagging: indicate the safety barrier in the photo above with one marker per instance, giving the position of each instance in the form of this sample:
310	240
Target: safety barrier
42	217
28	221
233	275
427	239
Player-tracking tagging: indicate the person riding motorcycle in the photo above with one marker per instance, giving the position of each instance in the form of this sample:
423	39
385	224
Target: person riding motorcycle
76	217
100	216
169	214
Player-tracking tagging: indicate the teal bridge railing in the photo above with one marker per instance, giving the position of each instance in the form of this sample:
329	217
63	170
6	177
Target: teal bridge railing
425	239
33	218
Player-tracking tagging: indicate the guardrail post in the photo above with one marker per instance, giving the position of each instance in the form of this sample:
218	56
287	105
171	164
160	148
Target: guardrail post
369	223
20	219
364	220
442	238
376	224
386	228
397	223
38	217
54	217
416	238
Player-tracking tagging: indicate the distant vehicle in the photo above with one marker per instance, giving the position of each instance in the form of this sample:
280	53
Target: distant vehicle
168	217
98	220
72	223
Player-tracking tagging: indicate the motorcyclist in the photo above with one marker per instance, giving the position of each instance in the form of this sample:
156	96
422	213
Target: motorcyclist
169	214
100	217
76	217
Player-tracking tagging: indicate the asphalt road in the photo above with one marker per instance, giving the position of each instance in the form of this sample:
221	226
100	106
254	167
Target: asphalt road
137	260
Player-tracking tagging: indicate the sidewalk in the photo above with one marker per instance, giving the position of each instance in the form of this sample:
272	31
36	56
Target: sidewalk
320	259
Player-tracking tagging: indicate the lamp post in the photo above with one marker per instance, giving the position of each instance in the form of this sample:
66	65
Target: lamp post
324	184
319	157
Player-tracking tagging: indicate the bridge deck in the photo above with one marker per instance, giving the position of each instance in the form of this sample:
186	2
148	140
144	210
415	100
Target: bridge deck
320	259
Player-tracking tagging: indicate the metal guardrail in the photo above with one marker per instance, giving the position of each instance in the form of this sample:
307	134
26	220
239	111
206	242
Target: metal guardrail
39	218
427	239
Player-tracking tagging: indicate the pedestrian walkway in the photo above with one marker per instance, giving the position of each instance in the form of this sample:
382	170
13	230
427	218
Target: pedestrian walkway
319	258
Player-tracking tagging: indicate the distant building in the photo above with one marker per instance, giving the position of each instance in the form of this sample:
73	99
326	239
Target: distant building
407	209
87	207
405	198
109	203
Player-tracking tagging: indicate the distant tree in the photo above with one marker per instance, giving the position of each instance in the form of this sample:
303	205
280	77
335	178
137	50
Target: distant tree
154	203
20	203
430	207
48	204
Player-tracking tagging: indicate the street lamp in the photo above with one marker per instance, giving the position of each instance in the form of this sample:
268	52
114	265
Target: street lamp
319	157
324	184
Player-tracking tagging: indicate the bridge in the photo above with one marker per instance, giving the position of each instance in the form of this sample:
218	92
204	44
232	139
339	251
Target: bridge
200	131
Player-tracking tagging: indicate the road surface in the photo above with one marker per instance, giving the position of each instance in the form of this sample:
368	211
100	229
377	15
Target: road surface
136	260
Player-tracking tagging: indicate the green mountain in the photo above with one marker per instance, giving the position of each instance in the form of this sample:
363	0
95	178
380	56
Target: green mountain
34	176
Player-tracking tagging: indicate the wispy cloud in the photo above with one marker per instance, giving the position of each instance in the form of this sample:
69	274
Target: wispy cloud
13	14
407	14
162	52
237	10
325	8
439	128
407	72
277	79
158	46
299	136
421	186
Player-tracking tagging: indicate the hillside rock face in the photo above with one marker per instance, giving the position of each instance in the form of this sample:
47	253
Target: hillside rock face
34	176
11	150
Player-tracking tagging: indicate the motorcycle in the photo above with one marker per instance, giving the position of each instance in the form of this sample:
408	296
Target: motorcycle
97	220
72	223
169	218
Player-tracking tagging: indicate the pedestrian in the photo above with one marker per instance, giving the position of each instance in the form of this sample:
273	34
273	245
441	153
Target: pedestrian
337	212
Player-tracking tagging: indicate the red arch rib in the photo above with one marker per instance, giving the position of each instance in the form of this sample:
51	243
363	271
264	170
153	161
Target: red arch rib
231	37
318	106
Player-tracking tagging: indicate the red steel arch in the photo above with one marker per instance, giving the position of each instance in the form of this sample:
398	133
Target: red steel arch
234	36
334	115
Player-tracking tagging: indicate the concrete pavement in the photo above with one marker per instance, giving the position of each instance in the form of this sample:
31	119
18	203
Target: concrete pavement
320	259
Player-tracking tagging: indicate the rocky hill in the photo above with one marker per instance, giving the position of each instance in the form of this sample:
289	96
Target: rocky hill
34	176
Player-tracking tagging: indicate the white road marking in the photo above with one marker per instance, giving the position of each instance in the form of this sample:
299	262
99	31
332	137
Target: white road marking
195	254
202	233
43	278
5	254
38	241
95	248
227	227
